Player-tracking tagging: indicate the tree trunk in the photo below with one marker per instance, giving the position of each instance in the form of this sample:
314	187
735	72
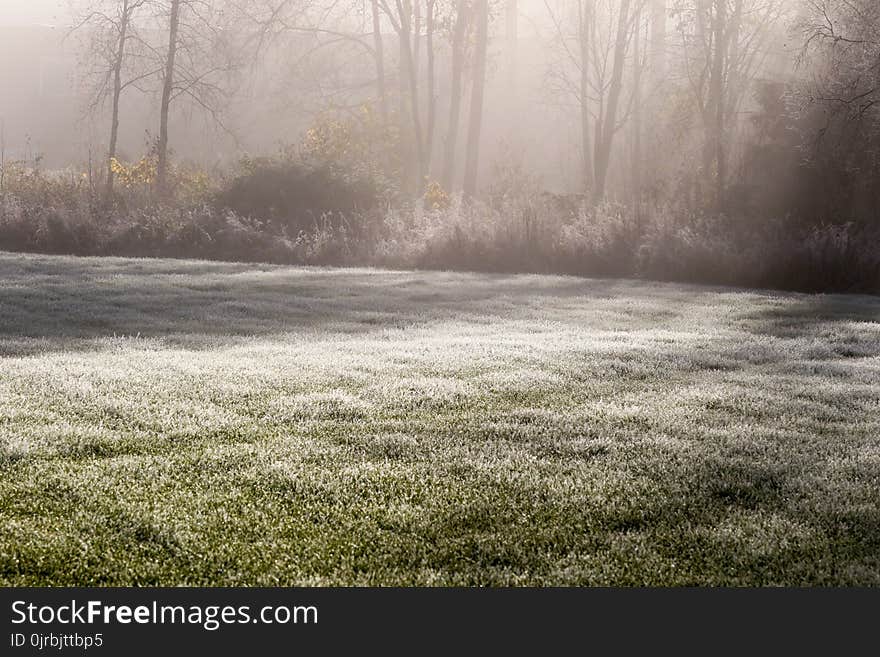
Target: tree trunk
428	150
733	25
167	90
417	36
610	119
656	82
402	78
511	29
410	73
658	40
458	38
117	93
380	64
472	156
405	109
637	113
586	18
717	102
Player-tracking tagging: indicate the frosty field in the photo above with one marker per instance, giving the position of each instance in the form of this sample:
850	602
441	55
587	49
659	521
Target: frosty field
176	422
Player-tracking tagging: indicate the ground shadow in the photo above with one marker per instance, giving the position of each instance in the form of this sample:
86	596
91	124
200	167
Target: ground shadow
50	303
808	315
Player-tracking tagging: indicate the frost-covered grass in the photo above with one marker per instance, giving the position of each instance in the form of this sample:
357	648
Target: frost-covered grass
172	422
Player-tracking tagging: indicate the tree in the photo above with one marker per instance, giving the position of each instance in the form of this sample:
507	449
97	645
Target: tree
459	32
197	63
723	45
472	154
323	48
112	30
585	26
838	108
165	103
379	58
405	17
607	125
511	48
658	39
654	98
331	27
582	72
842	41
430	28
638	66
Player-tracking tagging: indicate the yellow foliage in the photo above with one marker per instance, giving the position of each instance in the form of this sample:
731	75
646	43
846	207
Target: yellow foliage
362	143
330	140
188	183
192	184
436	197
140	173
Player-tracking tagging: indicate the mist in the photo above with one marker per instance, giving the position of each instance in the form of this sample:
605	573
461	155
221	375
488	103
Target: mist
599	137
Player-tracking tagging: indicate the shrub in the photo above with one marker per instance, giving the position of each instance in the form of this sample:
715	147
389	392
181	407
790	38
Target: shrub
286	213
599	241
362	146
843	257
690	247
295	198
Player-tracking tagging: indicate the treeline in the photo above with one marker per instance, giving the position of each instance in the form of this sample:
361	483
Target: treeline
282	211
722	141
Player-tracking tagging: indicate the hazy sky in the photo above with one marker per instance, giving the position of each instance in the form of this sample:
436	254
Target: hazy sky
27	12
16	12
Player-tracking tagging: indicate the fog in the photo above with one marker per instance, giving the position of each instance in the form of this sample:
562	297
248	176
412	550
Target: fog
28	12
744	122
286	75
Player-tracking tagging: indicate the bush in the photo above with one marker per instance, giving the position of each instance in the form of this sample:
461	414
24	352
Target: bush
692	247
295	198
843	257
285	213
599	241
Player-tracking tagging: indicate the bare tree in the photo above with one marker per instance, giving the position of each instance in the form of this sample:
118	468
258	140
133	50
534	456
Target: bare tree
511	46
472	154
322	45
198	60
585	26
638	66
724	43
838	106
841	39
405	17
654	101
379	57
658	38
430	29
412	23
402	17
165	103
459	43
111	31
591	69
607	125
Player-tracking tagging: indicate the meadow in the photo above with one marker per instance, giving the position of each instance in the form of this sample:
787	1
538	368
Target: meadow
174	422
